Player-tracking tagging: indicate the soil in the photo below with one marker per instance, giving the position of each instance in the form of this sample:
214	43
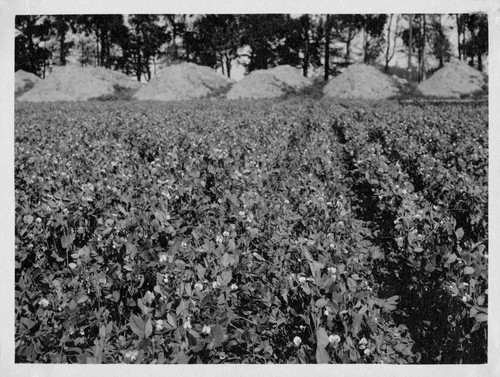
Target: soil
269	83
455	80
184	81
24	81
75	83
364	82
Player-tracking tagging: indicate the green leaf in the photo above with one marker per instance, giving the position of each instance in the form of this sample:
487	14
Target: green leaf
322	337
218	335
429	267
321	303
226	259
67	240
144	308
171	320
452	258
481	317
226	277
102	331
148	328
322	356
468	270
351	283
137	325
82	299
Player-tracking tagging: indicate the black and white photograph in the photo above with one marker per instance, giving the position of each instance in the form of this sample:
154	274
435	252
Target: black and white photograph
245	187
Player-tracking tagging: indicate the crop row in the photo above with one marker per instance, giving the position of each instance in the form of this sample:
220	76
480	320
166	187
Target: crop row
247	232
423	175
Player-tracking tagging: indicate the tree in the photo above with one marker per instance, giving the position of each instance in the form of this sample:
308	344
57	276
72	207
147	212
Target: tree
328	30
390	39
177	24
108	30
263	33
477	44
145	39
29	55
439	43
373	28
215	41
415	38
63	24
346	27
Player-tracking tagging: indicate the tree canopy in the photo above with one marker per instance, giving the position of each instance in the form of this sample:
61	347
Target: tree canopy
134	43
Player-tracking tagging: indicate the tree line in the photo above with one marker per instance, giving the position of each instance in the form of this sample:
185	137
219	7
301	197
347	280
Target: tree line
135	44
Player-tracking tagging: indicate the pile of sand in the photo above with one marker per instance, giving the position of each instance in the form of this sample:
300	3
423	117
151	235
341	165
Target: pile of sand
183	81
455	79
362	81
268	83
25	81
74	83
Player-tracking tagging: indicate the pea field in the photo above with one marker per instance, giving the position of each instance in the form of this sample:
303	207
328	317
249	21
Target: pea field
263	231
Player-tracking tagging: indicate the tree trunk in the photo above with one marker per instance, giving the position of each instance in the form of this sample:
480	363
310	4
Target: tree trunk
174	36
366	47
388	47
97	46
424	37
228	66
62	55
103	46
139	63
348	47
305	62
327	48
148	71
410	48
222	64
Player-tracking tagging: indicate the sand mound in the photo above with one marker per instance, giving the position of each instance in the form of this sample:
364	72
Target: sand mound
25	80
183	81
268	83
455	79
73	83
362	81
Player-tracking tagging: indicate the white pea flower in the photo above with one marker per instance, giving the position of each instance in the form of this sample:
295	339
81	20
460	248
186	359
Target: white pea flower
215	284
187	325
367	352
332	270
334	339
162	257
297	341
362	343
44	303
218	239
234	287
131	355
302	279
206	329
198	286
160	325
226	233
